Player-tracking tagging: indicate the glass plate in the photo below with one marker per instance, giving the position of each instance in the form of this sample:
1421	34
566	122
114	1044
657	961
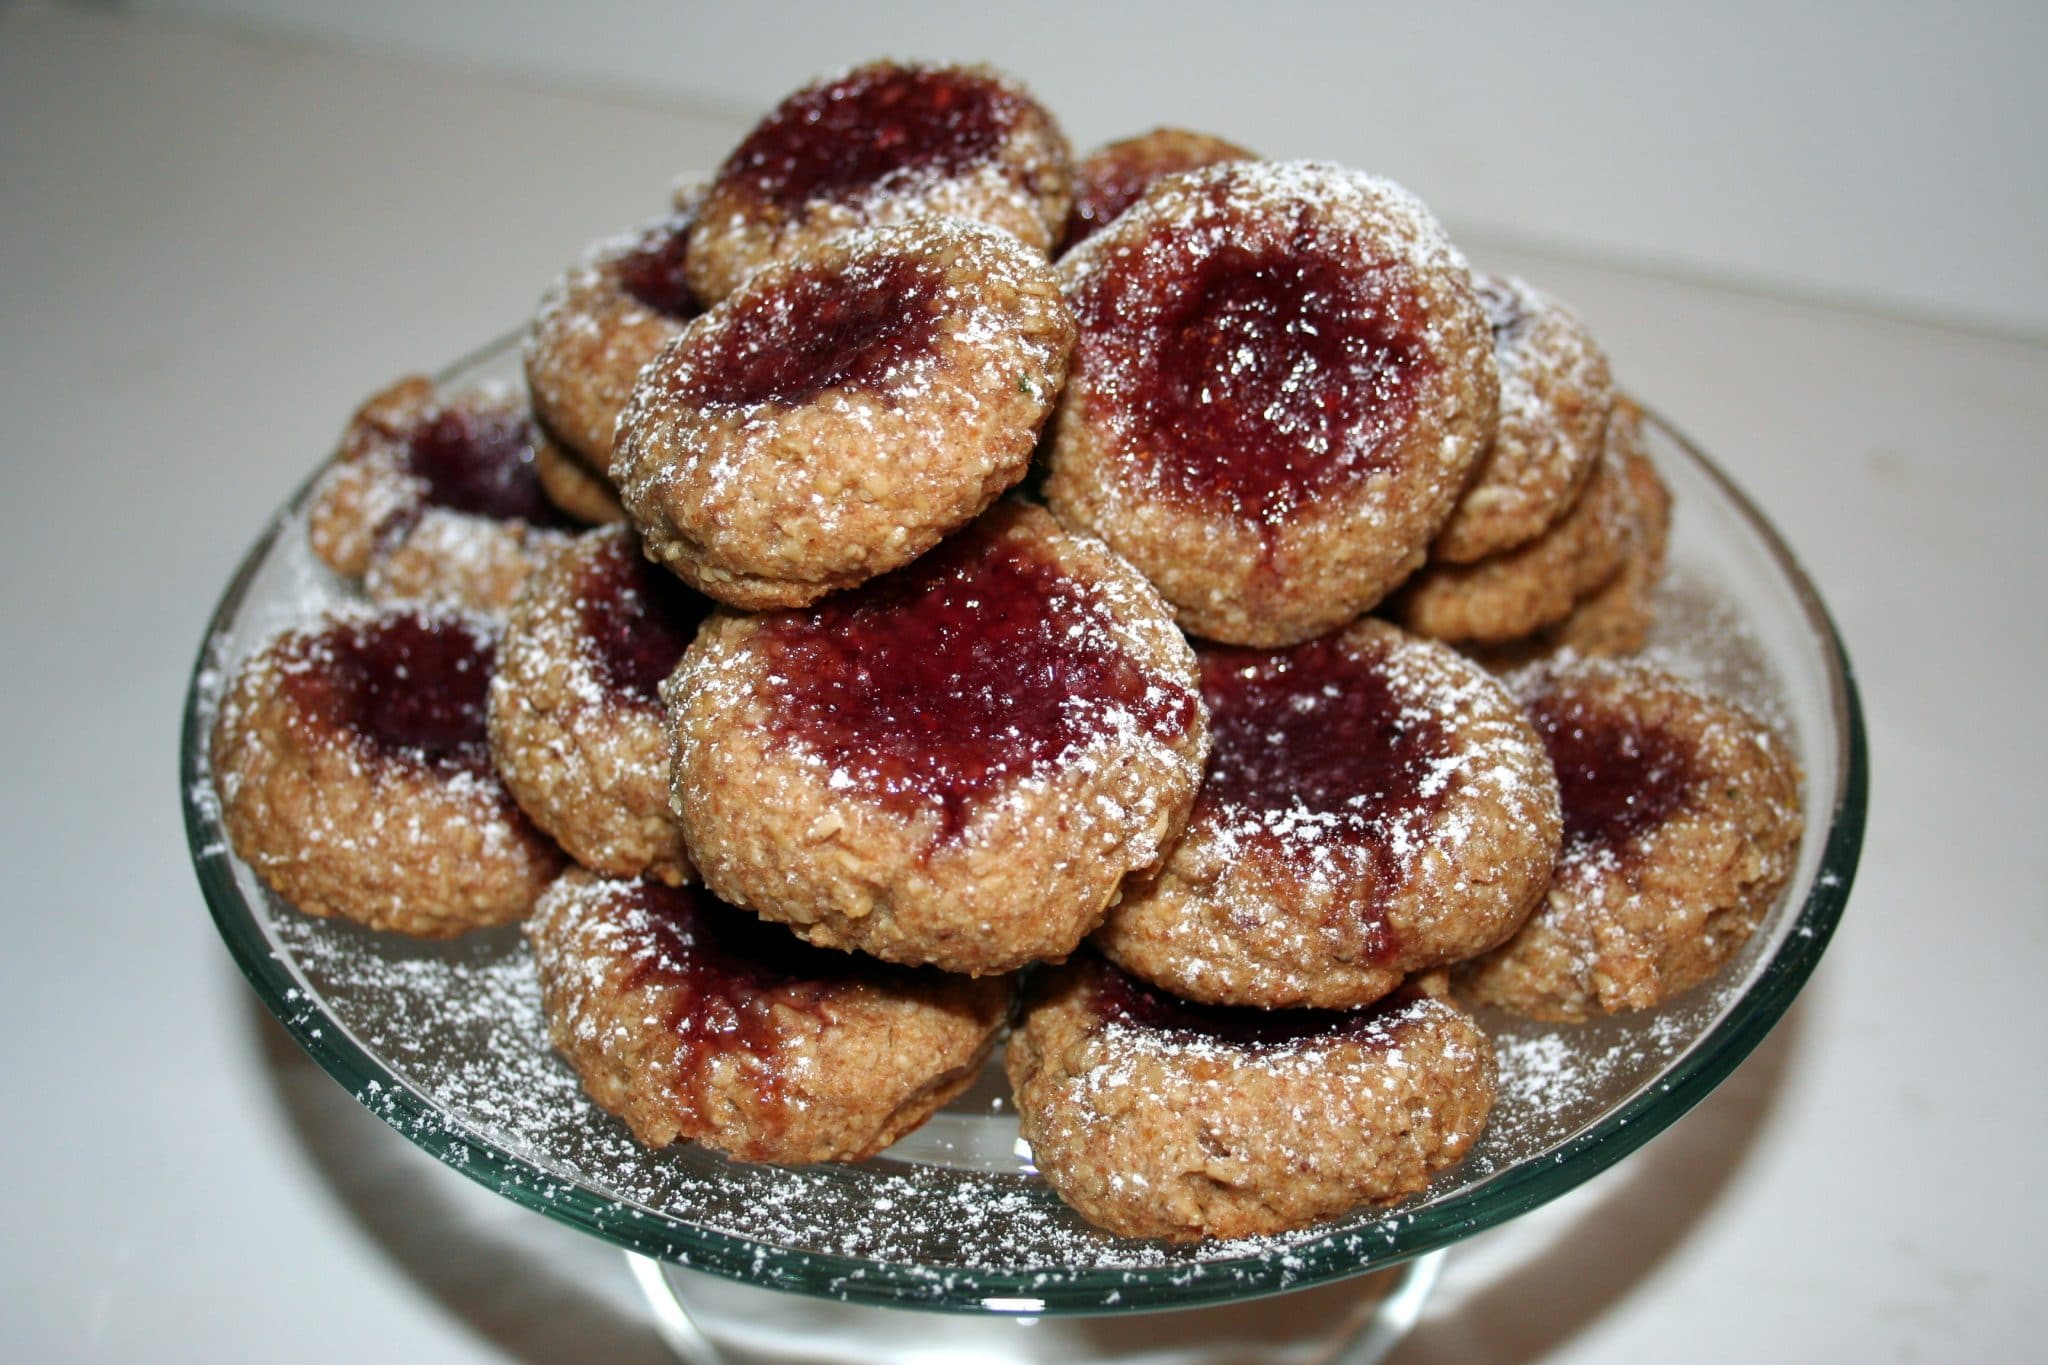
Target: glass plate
446	1043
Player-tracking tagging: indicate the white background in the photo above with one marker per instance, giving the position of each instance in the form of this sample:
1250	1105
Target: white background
212	247
1884	153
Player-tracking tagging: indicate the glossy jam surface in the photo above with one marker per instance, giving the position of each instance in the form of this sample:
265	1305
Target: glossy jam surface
480	460
410	685
982	663
1318	728
1111	180
652	271
872	127
1250	379
1107	186
724	971
1317	756
818	329
1616	778
638	619
1122	998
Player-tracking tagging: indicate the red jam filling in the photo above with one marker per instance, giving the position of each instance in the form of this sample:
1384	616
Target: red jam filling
638	619
410	685
1124	999
653	271
1616	779
838	138
725	972
1108	186
1252	378
981	663
1312	749
1110	183
817	330
480	461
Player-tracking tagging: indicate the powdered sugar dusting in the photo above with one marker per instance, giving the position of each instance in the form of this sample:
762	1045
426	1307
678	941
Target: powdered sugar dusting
589	296
435	495
462	1024
459	1061
1374	805
1515	308
576	726
1291	186
843	410
1556	1082
1257	333
601	321
1453	722
967	683
1556	395
881	143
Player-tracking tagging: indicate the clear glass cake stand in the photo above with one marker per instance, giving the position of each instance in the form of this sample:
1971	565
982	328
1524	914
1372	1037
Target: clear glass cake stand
445	1043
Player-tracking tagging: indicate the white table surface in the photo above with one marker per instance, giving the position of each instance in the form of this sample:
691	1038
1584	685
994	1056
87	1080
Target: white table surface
214	247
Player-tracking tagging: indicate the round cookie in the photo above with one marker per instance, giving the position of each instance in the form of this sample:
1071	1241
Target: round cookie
1111	178
1520	591
1555	396
1281	384
1375	805
843	411
881	143
695	1021
1155	1118
433	496
355	778
955	764
605	318
1682	822
575	718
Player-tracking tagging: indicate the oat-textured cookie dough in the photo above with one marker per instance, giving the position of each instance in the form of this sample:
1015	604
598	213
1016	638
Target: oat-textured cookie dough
436	496
1518	592
955	764
1109	179
578	489
1156	1118
355	777
695	1021
1682	822
575	718
844	410
1555	396
605	318
881	143
1282	382
1375	805
1615	618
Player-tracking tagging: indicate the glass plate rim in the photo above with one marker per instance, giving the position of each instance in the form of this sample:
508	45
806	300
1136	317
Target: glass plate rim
1054	1289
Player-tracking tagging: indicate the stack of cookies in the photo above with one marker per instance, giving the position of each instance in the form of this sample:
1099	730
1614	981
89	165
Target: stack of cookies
1166	606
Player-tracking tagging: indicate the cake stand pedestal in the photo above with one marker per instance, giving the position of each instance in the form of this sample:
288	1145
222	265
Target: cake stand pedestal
707	1320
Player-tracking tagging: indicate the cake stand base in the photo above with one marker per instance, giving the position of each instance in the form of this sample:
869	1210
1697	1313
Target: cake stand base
707	1320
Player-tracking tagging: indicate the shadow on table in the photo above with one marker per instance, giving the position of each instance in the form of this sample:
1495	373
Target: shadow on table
498	1267
1643	1215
